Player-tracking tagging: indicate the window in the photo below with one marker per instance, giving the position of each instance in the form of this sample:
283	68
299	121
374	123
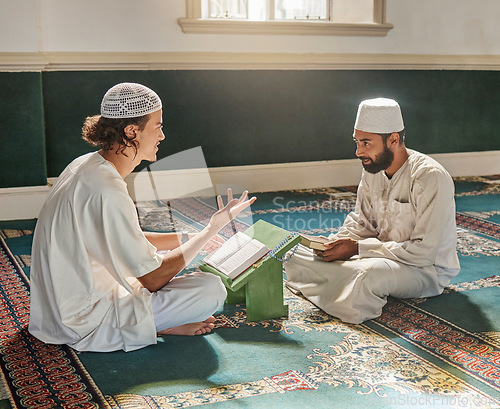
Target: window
268	10
233	9
306	17
301	10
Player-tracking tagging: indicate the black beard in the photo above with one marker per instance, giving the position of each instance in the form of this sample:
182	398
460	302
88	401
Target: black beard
382	161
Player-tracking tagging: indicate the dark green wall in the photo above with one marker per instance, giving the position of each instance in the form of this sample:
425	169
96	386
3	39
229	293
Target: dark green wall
22	152
261	117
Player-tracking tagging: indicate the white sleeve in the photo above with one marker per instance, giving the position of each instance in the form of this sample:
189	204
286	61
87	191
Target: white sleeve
432	194
114	238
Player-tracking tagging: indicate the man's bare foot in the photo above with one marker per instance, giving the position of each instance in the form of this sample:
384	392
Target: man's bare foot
195	328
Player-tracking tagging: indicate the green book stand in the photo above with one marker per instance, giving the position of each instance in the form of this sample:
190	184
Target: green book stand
260	287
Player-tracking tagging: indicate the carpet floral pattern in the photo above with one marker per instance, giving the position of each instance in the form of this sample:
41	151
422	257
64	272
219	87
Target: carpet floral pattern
437	352
375	366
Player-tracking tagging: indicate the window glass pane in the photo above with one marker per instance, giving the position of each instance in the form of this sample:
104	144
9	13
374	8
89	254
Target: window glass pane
228	9
302	10
258	10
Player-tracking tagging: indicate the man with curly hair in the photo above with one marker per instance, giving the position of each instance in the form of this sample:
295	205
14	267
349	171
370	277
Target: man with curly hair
98	282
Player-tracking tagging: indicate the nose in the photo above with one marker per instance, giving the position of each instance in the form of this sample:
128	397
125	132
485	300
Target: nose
162	135
359	150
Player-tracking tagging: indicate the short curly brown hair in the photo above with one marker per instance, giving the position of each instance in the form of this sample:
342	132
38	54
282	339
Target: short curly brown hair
108	133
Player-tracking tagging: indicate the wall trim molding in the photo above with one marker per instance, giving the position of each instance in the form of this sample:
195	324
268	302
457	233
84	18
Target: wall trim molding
104	61
221	26
22	202
26	202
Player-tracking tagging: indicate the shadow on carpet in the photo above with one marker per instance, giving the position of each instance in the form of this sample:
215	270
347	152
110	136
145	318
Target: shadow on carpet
437	352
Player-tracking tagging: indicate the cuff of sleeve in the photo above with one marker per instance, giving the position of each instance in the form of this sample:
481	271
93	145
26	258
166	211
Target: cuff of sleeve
148	267
370	247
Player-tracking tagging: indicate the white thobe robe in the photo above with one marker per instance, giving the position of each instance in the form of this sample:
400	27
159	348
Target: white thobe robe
406	232
88	251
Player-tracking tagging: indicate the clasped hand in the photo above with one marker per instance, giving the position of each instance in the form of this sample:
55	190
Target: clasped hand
340	249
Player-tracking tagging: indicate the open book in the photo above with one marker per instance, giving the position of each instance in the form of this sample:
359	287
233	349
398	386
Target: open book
313	242
236	255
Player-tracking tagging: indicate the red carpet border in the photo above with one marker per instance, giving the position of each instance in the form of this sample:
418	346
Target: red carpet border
473	354
42	376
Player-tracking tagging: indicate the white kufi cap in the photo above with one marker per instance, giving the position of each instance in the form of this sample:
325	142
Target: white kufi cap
380	116
129	100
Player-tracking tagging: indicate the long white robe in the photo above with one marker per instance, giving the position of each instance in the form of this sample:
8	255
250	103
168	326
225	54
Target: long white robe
88	249
406	230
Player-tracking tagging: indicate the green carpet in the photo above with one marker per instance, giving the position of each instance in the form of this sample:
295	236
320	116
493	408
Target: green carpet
441	352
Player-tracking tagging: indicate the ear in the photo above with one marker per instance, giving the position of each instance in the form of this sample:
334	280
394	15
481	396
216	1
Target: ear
130	131
393	139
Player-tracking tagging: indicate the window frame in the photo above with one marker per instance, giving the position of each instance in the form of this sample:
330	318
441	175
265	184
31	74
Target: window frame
194	23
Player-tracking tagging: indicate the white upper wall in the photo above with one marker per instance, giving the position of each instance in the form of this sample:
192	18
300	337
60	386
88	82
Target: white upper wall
440	27
18	26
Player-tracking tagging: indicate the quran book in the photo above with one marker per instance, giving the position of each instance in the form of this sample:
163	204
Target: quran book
236	255
313	242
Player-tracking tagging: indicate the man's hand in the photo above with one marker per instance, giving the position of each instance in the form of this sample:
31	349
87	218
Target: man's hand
180	256
230	211
340	249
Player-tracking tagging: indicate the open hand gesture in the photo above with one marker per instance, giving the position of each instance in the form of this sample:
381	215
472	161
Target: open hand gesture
231	210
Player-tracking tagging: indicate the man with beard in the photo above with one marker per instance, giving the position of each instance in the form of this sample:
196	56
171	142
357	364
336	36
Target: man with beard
401	238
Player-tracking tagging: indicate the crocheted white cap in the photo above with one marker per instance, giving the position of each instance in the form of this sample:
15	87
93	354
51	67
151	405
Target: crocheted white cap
379	115
129	100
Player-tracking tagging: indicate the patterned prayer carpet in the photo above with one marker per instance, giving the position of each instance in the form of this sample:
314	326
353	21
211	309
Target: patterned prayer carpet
439	352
